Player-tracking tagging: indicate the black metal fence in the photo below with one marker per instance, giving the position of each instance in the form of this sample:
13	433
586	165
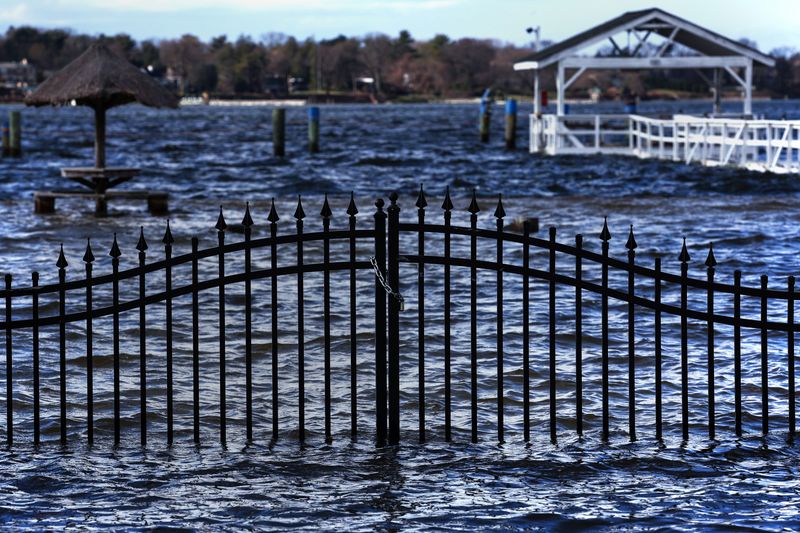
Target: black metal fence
383	239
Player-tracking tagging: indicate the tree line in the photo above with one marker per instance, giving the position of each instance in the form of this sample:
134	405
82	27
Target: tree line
390	66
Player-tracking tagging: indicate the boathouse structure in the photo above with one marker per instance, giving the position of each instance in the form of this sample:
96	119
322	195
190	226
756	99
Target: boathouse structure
657	40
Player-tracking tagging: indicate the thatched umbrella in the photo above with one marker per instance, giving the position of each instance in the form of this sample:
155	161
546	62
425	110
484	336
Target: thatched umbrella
100	79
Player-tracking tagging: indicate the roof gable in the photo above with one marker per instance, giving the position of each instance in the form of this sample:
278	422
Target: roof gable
654	20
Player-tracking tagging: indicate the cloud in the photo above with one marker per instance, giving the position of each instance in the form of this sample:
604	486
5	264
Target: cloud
261	6
14	14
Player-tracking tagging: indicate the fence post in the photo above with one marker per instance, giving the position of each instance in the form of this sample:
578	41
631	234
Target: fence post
273	259
605	236
421	204
737	350
141	246
473	299
526	333
684	259
168	240
88	258
552	333
62	341
195	344
631	246
499	213
115	253
393	275
657	340
447	205
326	311
790	346
578	334
299	215
711	262
764	359
9	367
35	317
380	324
352	211
247	222
221	226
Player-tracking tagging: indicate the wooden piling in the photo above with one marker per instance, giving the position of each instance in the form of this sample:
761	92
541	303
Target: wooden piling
511	124
485	121
15	133
279	132
313	130
6	140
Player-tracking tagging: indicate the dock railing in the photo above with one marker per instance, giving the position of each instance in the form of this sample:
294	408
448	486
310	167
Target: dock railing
548	290
755	144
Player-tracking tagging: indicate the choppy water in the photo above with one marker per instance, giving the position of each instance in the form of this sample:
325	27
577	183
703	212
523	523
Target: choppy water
208	156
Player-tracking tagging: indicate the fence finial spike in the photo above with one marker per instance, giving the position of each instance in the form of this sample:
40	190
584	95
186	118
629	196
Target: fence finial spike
326	212
88	256
168	240
605	235
221	225
631	244
422	202
273	214
711	261
447	204
684	257
473	205
499	212
62	261
115	248
352	210
142	244
299	214
247	220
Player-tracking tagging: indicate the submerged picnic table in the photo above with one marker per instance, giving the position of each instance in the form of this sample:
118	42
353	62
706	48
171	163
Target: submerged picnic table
99	181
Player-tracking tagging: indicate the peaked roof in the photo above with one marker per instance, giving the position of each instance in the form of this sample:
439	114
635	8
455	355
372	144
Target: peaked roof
100	78
656	20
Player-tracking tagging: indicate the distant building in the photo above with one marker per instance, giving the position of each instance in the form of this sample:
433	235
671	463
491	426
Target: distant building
19	75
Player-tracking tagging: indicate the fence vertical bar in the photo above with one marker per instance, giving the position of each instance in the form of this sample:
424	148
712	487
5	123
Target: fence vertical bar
393	278
499	213
447	205
579	334
115	253
168	240
35	317
221	226
684	259
195	343
141	246
631	246
790	356
657	340
273	259
352	211
764	359
526	333
473	338
421	204
605	236
62	342
552	334
247	222
737	350
88	258
711	262
299	215
380	325
326	306
9	367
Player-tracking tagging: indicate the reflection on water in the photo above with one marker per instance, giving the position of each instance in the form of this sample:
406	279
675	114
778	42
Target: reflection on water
208	156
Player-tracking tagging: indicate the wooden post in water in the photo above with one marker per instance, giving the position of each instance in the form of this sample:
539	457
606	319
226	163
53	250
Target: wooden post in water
511	124
313	129
15	133
279	132
6	140
485	121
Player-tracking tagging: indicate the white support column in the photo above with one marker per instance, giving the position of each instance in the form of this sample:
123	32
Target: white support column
560	90
748	88
537	94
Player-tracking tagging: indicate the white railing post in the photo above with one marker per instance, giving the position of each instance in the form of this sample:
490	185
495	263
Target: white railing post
674	141
597	132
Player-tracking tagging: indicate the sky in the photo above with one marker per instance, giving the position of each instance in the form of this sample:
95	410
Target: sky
770	23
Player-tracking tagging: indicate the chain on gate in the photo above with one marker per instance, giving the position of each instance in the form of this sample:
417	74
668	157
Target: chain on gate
378	274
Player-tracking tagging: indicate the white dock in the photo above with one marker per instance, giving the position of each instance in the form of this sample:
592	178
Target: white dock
761	145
